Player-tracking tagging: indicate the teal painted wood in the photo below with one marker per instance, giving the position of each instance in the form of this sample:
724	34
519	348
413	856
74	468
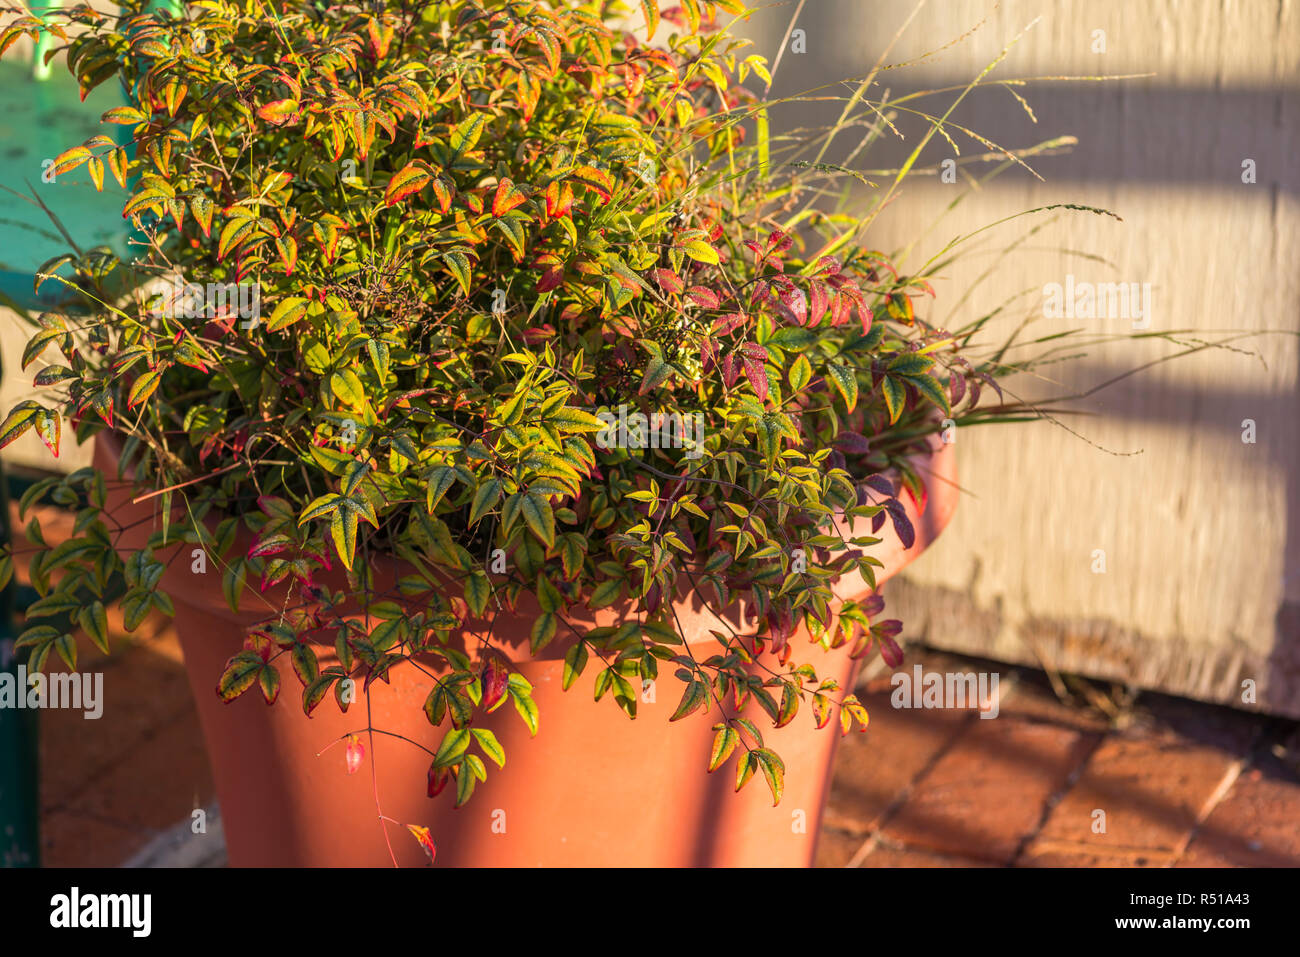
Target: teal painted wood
40	118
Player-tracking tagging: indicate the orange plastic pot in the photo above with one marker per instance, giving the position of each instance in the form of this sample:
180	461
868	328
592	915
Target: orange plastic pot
593	788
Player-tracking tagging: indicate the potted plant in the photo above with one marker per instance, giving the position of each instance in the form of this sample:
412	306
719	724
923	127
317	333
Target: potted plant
481	354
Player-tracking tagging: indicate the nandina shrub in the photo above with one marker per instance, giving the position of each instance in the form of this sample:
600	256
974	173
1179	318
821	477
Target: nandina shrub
476	233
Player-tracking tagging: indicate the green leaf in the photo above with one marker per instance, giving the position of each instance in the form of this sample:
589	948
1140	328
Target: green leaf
93	620
459	265
202	208
232	582
454	744
572	549
240	674
792	338
695	695
67	649
466	134
410	179
543	631
320	507
724	742
605	593
929	387
910	364
49	426
488	743
657	372
789	705
487	495
651	10
745	769
378	352
331	460
234	233
575	660
526	707
437	480
348	388
477	591
125	115
53	375
465	782
70	159
568	419
269	681
36	635
315	693
353	475
769	440
387	633
286	312
895	395
435	705
845	380
22	418
773	770
305	665
343	530
800	373
701	252
538	514
38	343
144	386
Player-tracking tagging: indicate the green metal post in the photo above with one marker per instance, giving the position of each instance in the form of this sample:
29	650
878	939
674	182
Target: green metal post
19	778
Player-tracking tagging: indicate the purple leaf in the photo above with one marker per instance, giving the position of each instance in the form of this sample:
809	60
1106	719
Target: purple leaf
902	525
888	629
756	374
872	605
890	651
792	304
880	484
704	297
730	371
854	442
993	382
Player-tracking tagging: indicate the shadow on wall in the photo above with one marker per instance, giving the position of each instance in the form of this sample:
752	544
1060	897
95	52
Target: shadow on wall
1266	423
1130	133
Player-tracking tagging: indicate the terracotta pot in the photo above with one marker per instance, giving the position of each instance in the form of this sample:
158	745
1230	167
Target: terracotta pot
594	788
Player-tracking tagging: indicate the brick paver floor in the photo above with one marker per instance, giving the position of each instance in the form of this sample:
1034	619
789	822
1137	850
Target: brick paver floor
1157	782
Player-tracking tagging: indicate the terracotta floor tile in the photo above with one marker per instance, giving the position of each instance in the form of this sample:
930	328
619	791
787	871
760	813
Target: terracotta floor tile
1256	825
76	839
873	767
1150	788
912	857
161	782
835	848
142	694
987	795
